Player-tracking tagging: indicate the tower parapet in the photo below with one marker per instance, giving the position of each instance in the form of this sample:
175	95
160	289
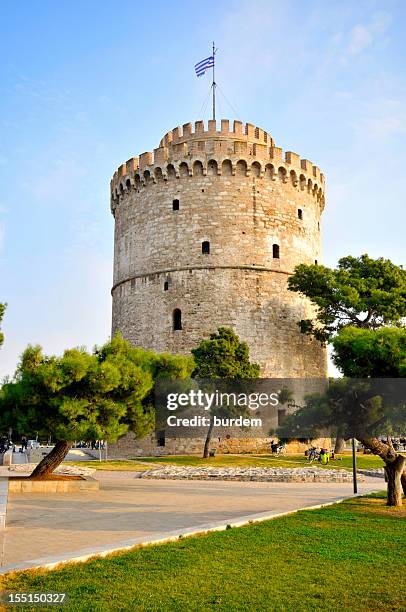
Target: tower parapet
182	146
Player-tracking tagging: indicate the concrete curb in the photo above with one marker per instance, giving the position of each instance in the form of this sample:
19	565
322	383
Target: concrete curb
85	554
3	501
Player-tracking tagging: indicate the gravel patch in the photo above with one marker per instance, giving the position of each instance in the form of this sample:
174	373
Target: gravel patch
258	474
62	469
377	472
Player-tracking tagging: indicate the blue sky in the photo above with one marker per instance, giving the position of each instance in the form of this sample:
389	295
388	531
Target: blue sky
86	85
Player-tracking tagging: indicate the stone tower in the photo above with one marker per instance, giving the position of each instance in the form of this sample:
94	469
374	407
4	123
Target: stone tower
208	229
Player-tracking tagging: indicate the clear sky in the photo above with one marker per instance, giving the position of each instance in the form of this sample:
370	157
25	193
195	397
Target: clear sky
87	84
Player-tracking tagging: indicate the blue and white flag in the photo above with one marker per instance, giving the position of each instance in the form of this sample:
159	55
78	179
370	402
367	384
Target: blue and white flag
204	65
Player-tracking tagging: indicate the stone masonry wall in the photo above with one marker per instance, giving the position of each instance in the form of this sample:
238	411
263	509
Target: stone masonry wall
235	191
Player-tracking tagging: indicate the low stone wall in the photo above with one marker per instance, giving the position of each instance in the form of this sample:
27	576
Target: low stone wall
129	446
24	485
95	453
256	474
35	455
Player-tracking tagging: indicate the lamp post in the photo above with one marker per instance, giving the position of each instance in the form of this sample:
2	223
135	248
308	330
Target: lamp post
354	467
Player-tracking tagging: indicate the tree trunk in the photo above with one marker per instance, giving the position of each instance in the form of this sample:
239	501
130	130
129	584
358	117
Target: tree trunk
394	467
403	481
51	461
208	439
339	445
394	473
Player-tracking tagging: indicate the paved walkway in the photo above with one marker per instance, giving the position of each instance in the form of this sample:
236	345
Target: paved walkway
128	510
19	458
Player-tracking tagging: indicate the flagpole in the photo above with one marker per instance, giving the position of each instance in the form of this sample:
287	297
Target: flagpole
214	85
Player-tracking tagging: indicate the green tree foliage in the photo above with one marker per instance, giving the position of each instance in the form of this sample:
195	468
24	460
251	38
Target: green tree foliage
361	292
367	405
82	396
285	396
377	353
223	356
358	407
365	409
2	311
360	309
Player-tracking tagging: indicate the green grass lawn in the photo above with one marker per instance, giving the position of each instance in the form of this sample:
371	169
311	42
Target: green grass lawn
112	465
348	556
345	461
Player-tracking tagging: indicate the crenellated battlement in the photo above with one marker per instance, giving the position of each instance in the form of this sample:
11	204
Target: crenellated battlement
240	130
243	150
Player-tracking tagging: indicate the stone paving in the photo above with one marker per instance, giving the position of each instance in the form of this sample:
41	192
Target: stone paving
129	510
3	502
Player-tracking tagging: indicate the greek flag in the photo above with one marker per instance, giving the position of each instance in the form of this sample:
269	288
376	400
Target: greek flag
204	65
